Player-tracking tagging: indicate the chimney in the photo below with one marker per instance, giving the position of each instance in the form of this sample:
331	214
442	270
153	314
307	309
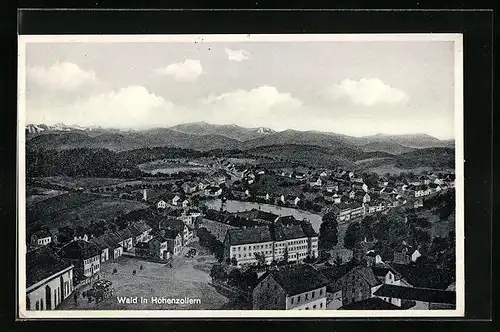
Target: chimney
145	195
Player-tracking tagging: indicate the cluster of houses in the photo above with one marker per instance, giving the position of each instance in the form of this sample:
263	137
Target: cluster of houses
348	196
371	285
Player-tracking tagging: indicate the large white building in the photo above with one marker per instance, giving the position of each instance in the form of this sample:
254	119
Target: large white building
49	279
274	242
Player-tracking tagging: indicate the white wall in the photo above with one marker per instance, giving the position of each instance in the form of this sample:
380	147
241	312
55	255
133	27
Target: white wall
57	294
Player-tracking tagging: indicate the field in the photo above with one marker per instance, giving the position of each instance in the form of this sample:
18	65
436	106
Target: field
173	166
276	185
243	161
71	209
77	182
38	194
188	277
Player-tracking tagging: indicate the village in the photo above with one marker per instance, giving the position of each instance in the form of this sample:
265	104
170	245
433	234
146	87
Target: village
246	236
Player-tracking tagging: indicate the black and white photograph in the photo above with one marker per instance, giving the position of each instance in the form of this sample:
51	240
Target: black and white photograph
315	175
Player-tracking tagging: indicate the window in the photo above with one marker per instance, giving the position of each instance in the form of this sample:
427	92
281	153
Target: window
291	300
321	292
267	285
314	306
312	296
298	299
321	305
307	308
307	296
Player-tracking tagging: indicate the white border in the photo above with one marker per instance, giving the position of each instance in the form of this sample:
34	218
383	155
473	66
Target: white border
93	314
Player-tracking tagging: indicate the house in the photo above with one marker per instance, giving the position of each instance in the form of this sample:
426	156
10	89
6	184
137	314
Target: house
115	249
178	226
361	282
289	199
156	248
126	238
240	193
203	184
194	213
299	287
299	176
360	186
332	187
357	210
213	192
189	187
405	254
84	256
261	172
388	191
141	231
185	203
174	241
103	246
334	275
216	228
417	298
49	279
372	303
161	204
316	183
262	196
341	210
41	238
372	258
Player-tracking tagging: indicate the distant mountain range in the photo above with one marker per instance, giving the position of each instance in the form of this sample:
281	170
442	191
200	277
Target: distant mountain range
202	136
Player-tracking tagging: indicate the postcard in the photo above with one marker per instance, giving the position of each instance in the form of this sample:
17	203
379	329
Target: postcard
271	176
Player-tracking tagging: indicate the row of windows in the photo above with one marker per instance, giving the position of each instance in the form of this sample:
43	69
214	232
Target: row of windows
90	260
314	306
297	299
298	248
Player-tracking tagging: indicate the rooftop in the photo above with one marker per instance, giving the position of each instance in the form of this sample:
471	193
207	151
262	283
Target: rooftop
373	303
42	263
298	279
417	294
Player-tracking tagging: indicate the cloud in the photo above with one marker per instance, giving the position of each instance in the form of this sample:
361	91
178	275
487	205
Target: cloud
187	71
236	55
129	107
368	92
61	76
258	106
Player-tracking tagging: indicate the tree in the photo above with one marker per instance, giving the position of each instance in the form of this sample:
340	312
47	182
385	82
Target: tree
328	232
218	273
261	259
353	235
234	262
285	255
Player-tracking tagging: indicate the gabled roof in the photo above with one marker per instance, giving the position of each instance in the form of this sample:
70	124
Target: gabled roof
367	274
42	263
110	241
372	303
98	241
124	234
142	245
249	235
417	294
297	279
43	233
79	249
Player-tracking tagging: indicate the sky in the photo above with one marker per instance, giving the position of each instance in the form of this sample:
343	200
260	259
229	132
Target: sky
348	87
